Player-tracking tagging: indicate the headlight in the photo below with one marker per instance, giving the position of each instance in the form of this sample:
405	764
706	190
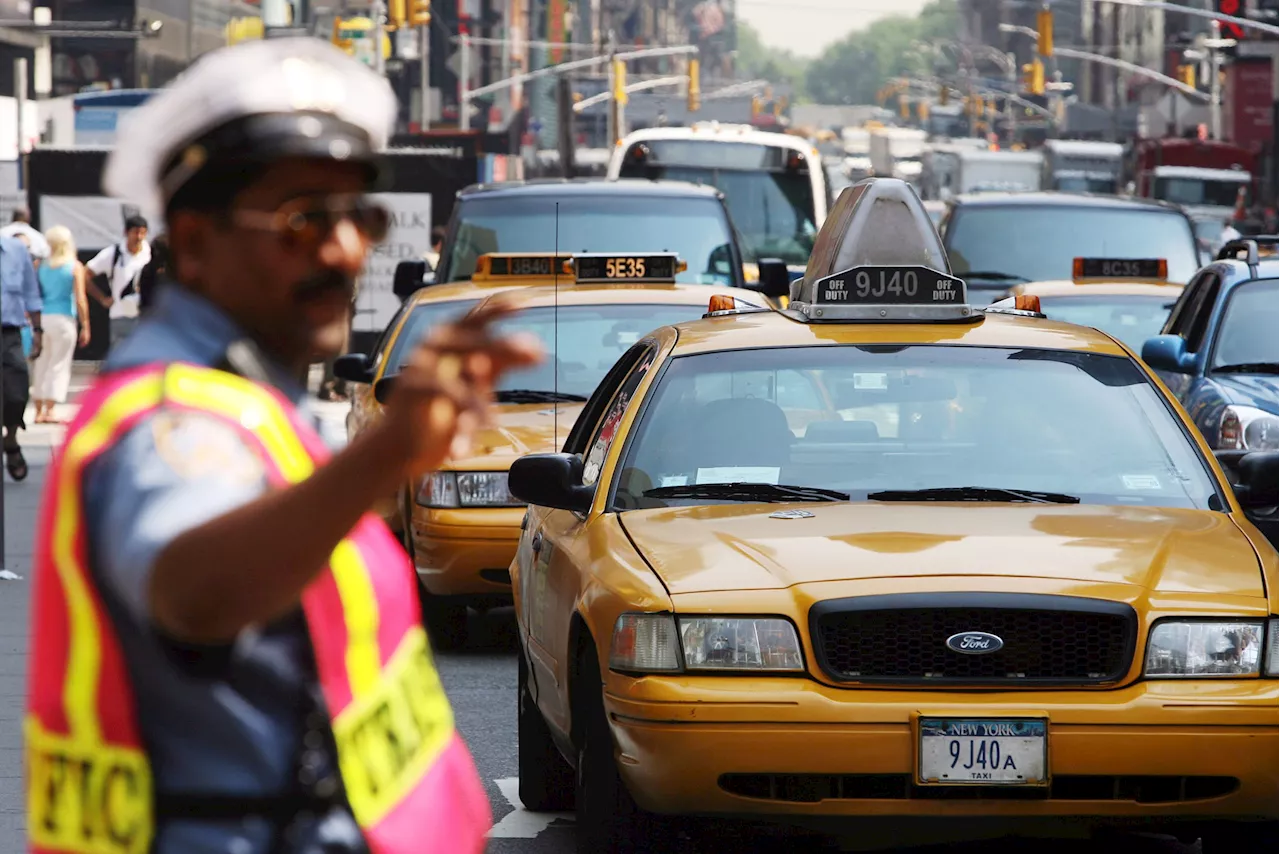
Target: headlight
664	643
1271	666
1205	648
466	489
1247	429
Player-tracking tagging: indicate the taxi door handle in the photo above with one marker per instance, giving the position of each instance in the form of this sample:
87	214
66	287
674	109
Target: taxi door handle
536	544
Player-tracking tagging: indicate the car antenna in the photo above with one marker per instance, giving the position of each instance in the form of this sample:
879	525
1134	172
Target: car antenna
555	332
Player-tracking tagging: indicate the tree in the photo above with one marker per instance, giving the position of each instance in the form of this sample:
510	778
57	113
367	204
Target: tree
757	61
853	70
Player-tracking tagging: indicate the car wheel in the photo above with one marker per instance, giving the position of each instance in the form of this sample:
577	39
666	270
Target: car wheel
1240	837
608	820
445	619
546	780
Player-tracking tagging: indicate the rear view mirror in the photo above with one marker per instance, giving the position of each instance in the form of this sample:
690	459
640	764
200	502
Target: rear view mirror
382	388
1257	483
410	277
775	280
871	389
550	480
354	368
1168	353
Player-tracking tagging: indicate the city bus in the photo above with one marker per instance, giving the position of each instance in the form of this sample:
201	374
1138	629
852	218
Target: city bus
774	184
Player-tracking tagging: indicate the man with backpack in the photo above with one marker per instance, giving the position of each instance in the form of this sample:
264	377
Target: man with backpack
115	272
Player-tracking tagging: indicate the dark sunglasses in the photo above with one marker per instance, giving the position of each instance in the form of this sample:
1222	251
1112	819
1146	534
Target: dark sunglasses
307	223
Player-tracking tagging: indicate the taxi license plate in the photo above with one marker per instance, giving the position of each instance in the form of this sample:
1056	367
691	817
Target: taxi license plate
983	751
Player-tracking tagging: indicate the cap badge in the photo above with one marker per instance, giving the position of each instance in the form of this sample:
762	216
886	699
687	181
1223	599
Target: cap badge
311	85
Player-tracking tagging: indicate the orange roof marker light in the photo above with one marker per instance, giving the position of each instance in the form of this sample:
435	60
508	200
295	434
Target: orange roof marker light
721	305
1025	305
1119	269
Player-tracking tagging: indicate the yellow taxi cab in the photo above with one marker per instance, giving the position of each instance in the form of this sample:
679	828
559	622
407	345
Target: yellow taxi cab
888	565
461	524
1127	298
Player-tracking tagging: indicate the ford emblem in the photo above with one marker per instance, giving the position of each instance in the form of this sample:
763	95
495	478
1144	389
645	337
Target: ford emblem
975	643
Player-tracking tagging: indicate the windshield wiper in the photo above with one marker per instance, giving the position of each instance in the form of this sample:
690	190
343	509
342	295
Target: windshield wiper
530	395
747	492
992	275
1248	368
973	493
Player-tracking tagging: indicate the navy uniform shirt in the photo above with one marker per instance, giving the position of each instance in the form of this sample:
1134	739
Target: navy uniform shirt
222	720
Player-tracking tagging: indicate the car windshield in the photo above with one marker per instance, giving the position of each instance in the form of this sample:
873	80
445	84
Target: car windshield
1249	333
868	419
586	341
1130	319
1039	243
695	228
773	210
1086	185
1197	191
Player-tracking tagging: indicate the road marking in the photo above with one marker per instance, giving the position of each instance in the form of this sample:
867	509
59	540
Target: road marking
520	823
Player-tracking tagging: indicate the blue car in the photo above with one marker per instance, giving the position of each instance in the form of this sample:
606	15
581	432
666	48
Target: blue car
1219	352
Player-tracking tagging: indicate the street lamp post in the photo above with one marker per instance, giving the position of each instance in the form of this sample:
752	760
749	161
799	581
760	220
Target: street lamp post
1215	46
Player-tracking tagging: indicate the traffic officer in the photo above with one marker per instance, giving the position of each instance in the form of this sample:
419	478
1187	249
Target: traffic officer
228	653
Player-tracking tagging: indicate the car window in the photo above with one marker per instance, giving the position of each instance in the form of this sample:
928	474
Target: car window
581	342
607	429
695	228
1130	319
1039	243
917	417
1200	311
1249	333
1180	317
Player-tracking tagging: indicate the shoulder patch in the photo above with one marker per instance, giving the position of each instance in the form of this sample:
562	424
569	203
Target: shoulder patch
197	446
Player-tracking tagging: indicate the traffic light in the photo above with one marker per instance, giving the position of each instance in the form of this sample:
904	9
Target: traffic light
756	105
1187	74
695	85
944	95
419	12
1044	32
344	43
619	81
904	109
395	14
922	111
1033	77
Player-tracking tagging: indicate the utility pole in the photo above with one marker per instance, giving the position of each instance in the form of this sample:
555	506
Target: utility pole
1215	46
464	78
379	10
424	72
615	109
1011	115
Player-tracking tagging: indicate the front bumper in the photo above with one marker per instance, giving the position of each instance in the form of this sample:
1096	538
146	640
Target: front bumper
793	750
466	552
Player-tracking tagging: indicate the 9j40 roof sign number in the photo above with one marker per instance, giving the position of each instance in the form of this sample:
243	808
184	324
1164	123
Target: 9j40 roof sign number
890	285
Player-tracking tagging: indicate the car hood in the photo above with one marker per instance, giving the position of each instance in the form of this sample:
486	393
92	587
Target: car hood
538	428
742	547
1257	390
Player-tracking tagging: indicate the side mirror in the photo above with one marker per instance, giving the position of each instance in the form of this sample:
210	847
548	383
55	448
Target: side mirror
410	276
1258	473
354	368
550	480
775	281
1167	353
382	388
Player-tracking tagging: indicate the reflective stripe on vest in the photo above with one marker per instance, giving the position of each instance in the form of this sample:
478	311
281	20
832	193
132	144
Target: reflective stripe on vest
408	777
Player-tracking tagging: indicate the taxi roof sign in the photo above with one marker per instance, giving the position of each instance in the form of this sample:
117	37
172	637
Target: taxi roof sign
1112	269
625	268
518	265
878	257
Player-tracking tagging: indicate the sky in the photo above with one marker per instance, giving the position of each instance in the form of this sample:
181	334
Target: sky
807	26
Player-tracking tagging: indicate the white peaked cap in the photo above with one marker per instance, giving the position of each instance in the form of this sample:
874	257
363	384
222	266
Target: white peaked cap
305	87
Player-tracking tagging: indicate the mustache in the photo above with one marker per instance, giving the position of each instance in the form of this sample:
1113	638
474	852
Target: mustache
322	285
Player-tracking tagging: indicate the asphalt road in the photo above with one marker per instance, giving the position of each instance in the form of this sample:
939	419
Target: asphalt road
480	679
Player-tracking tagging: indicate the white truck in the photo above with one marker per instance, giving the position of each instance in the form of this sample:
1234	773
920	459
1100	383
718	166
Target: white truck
857	153
1082	166
896	153
953	170
941	166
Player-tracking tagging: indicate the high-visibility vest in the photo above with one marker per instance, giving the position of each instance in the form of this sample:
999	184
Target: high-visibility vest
409	778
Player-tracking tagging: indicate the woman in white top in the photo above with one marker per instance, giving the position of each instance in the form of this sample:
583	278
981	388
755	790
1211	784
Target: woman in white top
62	287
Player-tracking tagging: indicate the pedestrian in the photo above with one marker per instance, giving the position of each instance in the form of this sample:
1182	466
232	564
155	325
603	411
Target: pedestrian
438	234
223	629
115	272
20	305
21	227
62	290
153	276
